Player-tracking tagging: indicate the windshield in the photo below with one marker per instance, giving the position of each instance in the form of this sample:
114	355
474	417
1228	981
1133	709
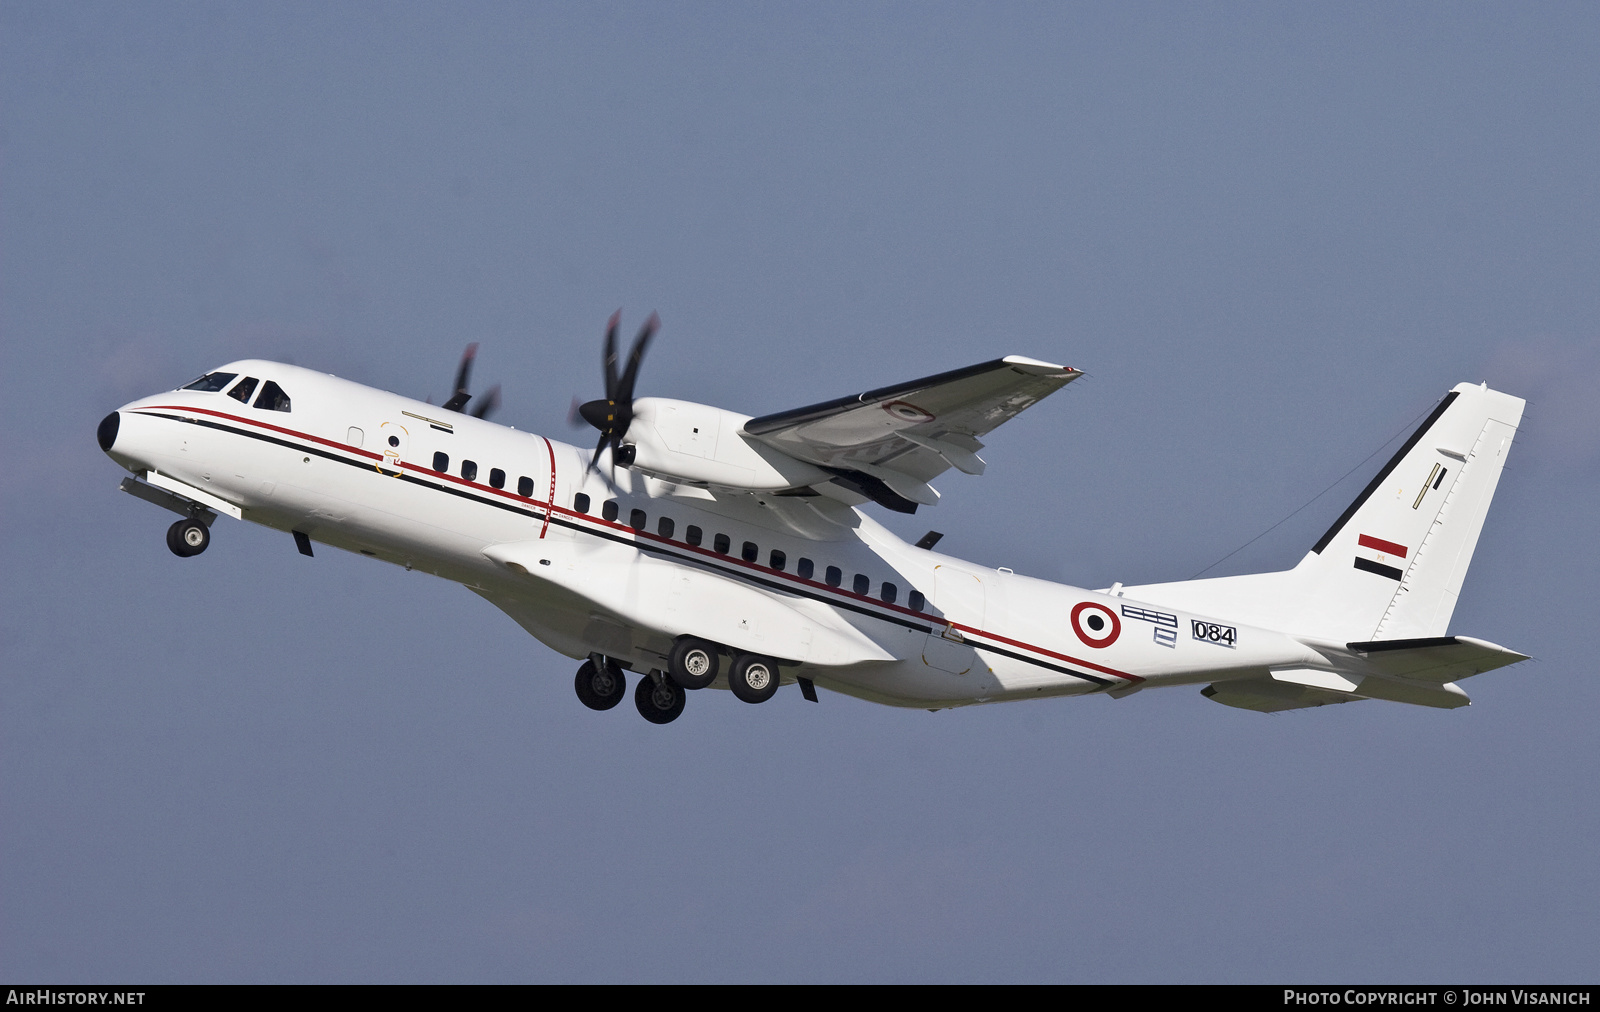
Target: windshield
211	382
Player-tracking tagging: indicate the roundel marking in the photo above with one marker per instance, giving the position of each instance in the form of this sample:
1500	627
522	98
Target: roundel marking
907	412
1095	624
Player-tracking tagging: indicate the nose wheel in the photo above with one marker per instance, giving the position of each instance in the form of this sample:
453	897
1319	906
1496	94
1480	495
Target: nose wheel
188	537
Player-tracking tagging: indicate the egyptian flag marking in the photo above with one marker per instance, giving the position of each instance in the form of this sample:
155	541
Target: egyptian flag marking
1385	549
1380	545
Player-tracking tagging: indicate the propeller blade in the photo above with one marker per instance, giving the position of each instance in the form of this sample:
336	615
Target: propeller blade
575	419
487	403
597	448
459	399
610	359
631	373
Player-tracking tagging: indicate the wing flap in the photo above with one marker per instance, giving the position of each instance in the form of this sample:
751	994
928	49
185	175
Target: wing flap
918	429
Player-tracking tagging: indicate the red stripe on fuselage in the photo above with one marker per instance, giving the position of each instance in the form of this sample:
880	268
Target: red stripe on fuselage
550	507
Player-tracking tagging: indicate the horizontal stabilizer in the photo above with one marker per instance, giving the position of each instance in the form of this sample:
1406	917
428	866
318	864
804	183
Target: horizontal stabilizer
1435	658
1421	672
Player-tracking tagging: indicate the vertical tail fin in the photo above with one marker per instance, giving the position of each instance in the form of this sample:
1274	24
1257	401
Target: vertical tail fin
1392	566
1394	563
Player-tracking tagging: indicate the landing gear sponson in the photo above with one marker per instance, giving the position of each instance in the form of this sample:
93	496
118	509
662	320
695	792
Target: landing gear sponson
660	696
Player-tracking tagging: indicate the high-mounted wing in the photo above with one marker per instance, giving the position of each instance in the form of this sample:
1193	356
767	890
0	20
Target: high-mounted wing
887	444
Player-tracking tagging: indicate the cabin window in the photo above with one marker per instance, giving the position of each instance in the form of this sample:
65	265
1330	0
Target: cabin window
861	584
469	470
580	502
497	478
888	593
242	392
722	544
211	382
525	487
441	462
693	534
834	577
273	398
354	436
777	560
805	567
749	552
637	520
664	527
917	601
608	509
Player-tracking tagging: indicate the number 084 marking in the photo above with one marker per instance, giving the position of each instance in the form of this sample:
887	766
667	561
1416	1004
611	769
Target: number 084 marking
1210	632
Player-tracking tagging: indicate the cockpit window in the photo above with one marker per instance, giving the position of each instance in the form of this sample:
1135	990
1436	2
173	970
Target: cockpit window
211	382
273	398
245	388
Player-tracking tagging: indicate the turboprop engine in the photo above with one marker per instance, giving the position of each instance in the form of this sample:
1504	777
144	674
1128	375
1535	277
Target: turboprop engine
701	445
682	441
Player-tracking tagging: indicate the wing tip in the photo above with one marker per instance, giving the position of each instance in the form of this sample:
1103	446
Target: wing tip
1035	367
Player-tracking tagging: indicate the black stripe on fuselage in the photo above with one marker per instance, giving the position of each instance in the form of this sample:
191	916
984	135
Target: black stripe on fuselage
640	545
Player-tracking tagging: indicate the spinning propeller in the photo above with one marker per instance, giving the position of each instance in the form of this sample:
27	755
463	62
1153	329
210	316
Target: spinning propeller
613	413
458	400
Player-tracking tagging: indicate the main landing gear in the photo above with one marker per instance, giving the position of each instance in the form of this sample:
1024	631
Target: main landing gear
660	696
188	537
600	683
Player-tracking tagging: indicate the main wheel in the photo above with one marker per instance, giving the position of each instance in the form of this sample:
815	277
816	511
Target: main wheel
601	688
693	663
659	704
753	678
188	537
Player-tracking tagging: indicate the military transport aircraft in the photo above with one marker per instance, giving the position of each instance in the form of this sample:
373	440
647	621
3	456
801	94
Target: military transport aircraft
699	547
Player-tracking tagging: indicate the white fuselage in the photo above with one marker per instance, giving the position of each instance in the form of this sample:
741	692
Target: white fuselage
387	476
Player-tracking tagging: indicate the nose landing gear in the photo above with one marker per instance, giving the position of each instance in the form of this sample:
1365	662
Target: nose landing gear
188	537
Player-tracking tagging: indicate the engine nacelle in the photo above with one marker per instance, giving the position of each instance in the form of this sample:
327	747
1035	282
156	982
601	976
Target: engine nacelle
701	445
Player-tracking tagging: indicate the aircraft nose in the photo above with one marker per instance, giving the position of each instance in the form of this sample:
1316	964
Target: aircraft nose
107	432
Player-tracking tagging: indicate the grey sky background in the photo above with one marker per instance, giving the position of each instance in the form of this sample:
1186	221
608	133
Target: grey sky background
1272	235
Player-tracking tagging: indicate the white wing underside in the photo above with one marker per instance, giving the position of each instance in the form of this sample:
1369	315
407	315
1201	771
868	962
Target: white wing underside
904	436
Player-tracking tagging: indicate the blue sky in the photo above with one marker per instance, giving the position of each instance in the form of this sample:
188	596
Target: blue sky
1272	236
